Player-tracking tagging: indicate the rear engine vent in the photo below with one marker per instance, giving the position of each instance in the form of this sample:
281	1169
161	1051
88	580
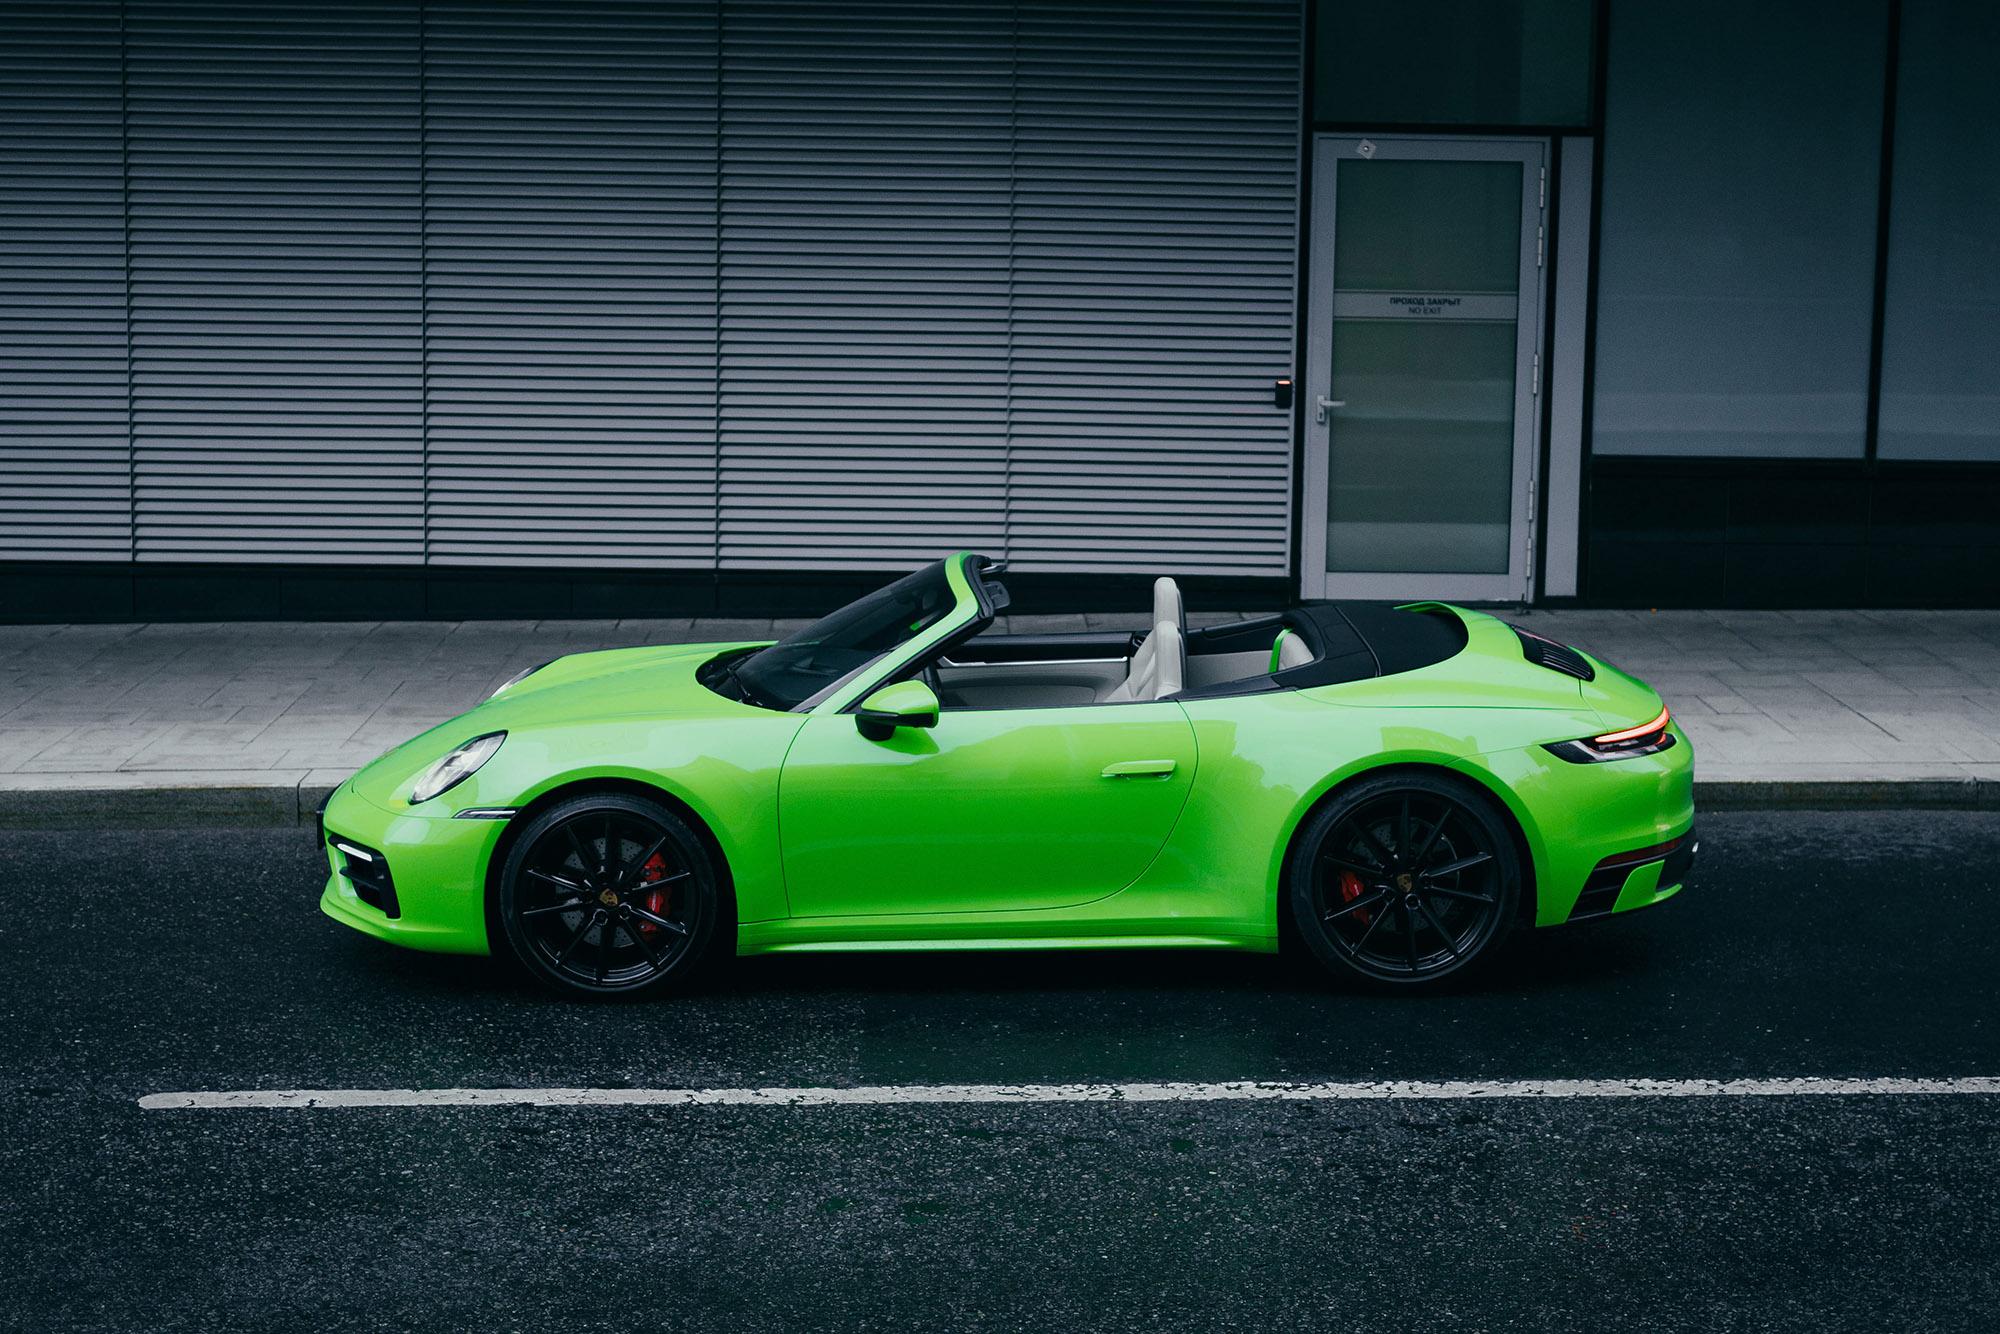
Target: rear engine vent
1556	657
368	871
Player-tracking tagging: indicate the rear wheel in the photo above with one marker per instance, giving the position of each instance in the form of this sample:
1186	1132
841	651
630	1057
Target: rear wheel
1404	880
610	895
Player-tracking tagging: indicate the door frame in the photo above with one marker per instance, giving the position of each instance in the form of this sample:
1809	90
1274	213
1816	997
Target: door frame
1517	583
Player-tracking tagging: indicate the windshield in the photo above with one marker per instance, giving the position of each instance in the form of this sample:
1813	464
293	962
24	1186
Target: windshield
794	670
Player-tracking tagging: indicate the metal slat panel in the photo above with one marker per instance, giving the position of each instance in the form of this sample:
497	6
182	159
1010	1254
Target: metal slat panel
571	243
864	285
762	284
277	281
1155	224
65	478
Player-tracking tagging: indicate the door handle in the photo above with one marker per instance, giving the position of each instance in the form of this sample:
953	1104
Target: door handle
1325	403
1138	769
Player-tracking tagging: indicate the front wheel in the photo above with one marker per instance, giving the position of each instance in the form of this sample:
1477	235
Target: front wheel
610	895
1403	881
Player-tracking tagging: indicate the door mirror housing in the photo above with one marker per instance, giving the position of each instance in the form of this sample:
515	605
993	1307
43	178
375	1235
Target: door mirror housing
904	704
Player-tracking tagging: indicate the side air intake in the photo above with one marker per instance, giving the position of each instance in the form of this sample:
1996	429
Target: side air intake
368	871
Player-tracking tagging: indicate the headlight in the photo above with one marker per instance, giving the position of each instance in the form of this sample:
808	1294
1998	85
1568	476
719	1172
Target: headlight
518	677
456	767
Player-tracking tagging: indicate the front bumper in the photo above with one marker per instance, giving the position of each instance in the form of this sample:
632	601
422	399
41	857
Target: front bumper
437	865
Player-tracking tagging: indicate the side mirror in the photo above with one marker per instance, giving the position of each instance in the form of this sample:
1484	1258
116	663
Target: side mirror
904	704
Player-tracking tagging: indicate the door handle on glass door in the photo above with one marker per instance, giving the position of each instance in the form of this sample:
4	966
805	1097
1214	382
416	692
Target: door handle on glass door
1325	403
1139	769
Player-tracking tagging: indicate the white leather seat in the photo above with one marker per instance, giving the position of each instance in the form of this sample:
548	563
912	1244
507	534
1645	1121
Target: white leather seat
1169	660
1159	664
1292	651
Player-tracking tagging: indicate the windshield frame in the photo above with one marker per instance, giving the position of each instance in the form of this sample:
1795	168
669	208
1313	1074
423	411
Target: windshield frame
970	611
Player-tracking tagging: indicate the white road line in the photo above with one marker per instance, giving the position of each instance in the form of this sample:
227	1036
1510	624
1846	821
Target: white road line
898	1094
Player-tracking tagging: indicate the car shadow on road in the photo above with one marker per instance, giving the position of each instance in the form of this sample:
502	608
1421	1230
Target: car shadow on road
1569	958
1573	957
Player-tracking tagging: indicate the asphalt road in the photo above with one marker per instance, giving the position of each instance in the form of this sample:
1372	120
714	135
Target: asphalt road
1811	944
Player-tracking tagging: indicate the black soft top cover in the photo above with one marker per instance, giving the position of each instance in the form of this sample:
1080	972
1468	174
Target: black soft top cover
1356	640
1351	641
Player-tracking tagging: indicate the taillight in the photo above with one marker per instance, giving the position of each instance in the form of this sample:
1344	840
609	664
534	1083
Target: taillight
1648	738
1643	730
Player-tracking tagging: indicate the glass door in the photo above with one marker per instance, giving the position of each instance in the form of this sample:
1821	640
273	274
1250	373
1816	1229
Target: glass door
1423	368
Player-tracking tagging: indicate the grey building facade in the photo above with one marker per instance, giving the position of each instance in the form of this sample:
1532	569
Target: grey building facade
603	308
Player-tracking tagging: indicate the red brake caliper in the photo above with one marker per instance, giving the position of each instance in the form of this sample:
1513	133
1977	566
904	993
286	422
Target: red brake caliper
1350	890
655	900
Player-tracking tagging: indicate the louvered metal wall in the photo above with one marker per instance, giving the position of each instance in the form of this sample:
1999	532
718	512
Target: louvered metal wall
276	282
1155	216
864	281
65	419
571	251
757	284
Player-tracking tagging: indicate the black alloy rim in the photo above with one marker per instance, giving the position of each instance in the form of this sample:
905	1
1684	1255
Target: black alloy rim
1407	885
606	900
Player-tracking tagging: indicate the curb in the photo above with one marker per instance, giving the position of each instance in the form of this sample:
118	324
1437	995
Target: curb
246	806
282	805
1848	794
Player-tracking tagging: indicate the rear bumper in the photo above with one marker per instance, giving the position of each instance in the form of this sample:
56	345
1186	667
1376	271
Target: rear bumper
436	864
1636	879
1605	838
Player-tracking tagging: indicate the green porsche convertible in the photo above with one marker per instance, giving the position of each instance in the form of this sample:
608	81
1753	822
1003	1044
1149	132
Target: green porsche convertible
1392	789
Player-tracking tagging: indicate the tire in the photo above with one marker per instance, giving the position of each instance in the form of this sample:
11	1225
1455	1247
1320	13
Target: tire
1404	881
642	920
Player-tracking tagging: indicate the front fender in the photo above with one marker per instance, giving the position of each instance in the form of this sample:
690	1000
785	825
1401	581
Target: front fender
725	770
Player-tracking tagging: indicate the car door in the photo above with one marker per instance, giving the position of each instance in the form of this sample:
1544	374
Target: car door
991	810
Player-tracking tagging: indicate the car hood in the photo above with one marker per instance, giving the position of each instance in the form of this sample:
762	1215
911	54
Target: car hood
655	683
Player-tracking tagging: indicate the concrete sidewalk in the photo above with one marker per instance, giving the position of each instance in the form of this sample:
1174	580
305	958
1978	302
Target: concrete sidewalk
172	724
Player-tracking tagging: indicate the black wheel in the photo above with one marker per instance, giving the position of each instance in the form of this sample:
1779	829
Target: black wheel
610	895
1404	880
